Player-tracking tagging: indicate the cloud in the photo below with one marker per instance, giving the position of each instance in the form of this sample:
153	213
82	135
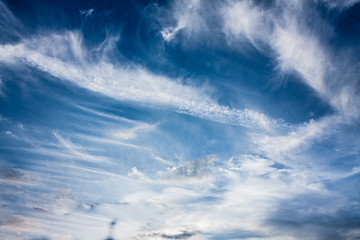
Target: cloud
281	28
339	4
295	140
169	234
235	197
10	27
242	19
297	47
187	17
135	131
315	221
76	151
241	193
191	172
68	61
86	12
211	197
169	33
1	89
275	186
302	53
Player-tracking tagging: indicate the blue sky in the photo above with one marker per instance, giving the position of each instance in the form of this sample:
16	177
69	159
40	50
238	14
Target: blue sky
188	119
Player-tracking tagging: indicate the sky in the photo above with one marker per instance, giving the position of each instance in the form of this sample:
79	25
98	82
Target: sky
189	119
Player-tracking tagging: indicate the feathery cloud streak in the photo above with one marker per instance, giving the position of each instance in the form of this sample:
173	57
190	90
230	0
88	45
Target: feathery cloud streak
63	56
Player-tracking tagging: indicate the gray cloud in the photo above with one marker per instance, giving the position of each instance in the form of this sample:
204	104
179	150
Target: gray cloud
11	174
183	234
192	170
318	220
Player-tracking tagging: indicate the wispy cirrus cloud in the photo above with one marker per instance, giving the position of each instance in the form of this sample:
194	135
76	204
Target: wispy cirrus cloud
87	12
69	61
280	26
298	47
133	132
10	27
99	168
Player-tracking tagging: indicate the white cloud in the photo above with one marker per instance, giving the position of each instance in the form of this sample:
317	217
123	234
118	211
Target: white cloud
339	3
202	197
297	47
160	159
294	140
297	50
235	195
347	101
86	12
169	33
135	172
106	115
253	189
193	172
242	19
302	53
187	17
2	94
76	151
10	27
68	60
135	131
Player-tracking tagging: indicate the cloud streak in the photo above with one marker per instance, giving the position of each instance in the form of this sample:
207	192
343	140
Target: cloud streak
69	61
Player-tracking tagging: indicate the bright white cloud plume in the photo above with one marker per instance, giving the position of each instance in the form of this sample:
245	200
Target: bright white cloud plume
301	53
